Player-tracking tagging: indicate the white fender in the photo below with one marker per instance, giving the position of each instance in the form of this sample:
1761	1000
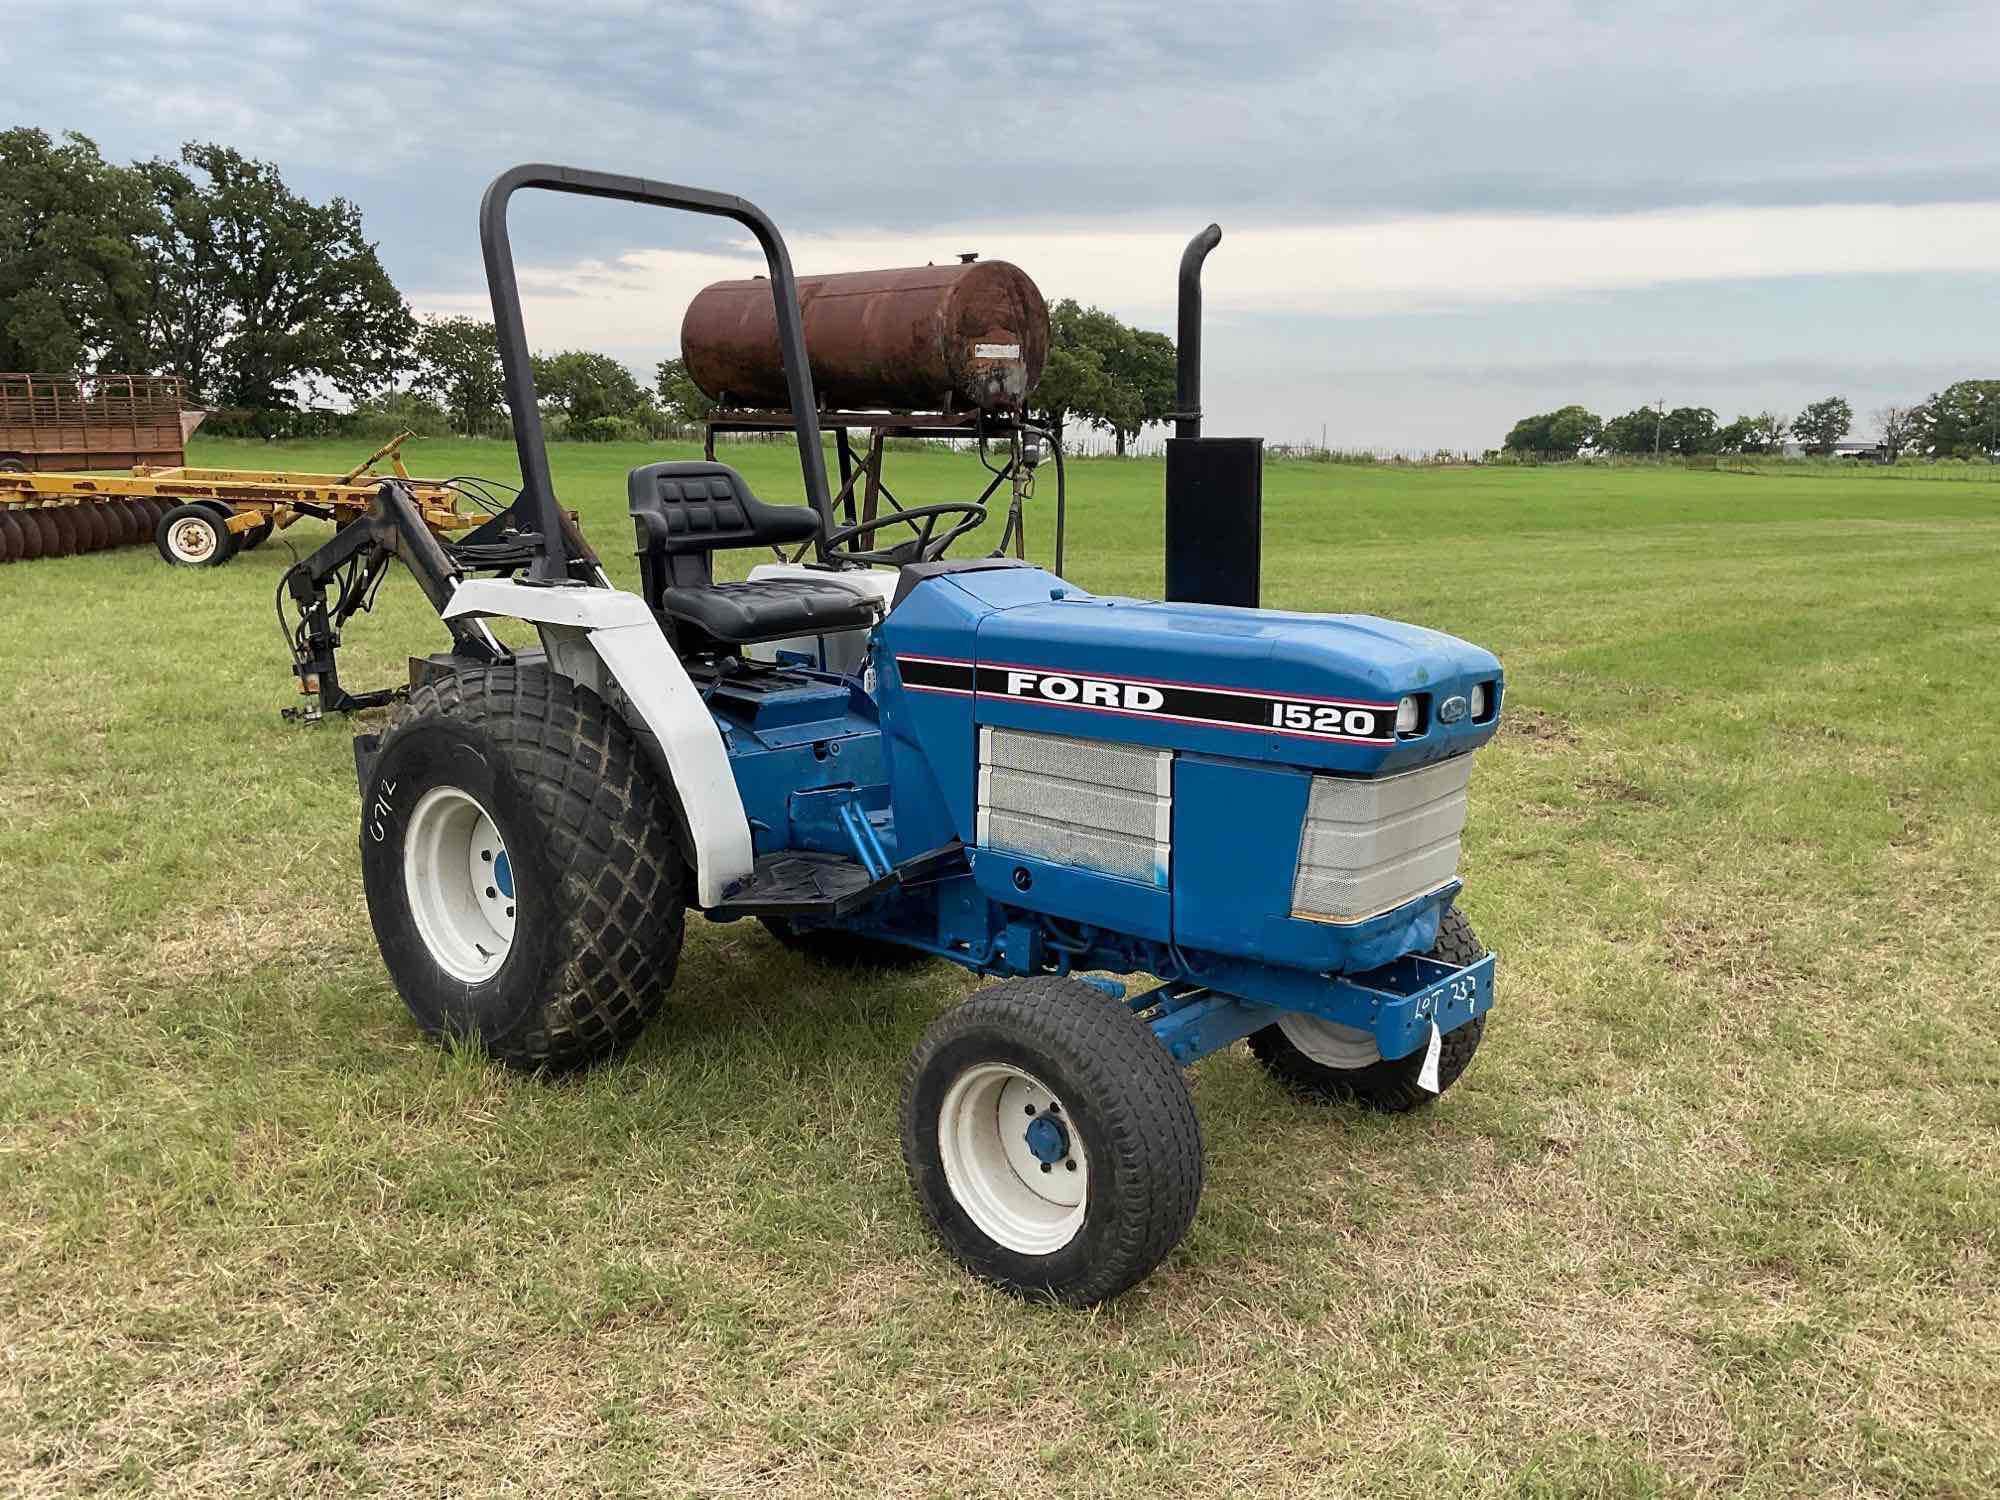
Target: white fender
623	635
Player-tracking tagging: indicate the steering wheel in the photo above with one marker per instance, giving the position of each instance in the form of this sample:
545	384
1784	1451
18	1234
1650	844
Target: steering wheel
926	546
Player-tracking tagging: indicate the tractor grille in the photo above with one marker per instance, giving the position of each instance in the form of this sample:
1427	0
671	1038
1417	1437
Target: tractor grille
1099	806
1369	846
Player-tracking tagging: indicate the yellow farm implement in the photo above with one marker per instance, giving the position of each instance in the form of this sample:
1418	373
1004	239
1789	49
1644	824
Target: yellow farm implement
200	518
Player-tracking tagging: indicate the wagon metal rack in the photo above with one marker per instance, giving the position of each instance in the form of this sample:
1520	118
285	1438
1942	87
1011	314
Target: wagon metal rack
201	517
92	421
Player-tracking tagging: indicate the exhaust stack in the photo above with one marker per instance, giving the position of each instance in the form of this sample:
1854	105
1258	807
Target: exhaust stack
1215	486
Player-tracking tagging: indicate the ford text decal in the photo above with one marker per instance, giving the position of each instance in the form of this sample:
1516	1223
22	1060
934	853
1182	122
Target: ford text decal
1186	702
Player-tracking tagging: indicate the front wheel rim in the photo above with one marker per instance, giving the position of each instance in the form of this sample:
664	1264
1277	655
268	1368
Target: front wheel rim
1013	1160
459	883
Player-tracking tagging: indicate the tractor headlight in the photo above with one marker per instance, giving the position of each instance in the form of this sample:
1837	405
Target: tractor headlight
1408	716
1482	700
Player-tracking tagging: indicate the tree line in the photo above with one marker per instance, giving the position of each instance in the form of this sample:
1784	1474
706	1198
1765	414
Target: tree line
1961	421
211	268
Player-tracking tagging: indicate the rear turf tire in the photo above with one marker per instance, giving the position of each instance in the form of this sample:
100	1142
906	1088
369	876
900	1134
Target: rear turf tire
1060	1049
1363	1076
562	942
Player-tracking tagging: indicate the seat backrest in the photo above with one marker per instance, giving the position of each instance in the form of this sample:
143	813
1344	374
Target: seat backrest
684	510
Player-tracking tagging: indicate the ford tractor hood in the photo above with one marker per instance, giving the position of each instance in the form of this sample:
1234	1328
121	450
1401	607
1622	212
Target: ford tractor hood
1311	690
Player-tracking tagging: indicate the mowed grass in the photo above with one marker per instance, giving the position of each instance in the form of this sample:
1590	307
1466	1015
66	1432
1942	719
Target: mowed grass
1714	1211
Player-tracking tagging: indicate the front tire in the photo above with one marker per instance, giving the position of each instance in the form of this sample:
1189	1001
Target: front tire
1051	1141
523	875
1327	1063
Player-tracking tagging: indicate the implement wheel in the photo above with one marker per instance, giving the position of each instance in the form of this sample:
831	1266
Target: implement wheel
194	536
1326	1062
524	879
1051	1140
12	546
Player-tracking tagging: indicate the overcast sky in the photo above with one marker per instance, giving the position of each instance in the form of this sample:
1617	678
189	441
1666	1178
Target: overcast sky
1437	216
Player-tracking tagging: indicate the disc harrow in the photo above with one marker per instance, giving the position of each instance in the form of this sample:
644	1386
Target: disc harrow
201	518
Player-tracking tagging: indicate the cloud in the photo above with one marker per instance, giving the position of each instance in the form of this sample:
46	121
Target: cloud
897	117
1560	179
633	301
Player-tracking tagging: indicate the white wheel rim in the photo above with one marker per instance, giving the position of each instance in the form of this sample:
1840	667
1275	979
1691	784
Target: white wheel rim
191	540
460	884
993	1120
1329	1043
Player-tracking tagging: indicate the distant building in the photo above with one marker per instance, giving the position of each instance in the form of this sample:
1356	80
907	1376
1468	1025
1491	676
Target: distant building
1859	452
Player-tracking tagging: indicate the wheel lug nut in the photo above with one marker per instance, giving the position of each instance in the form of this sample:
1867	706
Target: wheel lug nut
1070	1165
1046	1167
1028	1109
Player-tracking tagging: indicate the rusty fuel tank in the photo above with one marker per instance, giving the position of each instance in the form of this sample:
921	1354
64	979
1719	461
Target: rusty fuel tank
970	336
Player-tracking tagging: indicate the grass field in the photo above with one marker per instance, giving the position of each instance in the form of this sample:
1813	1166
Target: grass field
1714	1212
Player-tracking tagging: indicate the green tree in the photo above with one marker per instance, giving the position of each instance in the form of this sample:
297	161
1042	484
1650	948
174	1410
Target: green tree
681	399
1823	423
1141	369
1562	433
584	385
1761	433
1899	427
258	295
1961	421
1073	382
1688	430
1103	372
458	366
1637	432
72	283
1767	433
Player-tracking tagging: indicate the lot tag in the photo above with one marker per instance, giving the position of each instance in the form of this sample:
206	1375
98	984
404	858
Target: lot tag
1427	1076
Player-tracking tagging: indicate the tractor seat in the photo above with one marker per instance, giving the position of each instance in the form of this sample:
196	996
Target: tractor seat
770	609
686	511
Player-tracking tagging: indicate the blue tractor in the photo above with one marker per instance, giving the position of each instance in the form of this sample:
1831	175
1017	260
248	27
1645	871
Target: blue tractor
886	754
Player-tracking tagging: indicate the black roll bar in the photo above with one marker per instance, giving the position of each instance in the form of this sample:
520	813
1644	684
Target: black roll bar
1187	361
551	562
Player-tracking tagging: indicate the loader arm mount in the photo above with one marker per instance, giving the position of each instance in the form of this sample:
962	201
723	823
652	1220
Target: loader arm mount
340	580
